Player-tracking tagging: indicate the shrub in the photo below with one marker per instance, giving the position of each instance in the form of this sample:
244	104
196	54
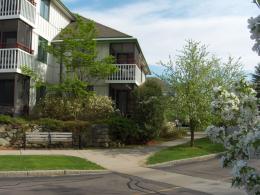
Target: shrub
48	124
62	126
8	120
60	108
97	108
170	131
123	130
64	108
148	109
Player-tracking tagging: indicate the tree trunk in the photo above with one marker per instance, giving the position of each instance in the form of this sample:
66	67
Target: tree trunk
61	70
192	130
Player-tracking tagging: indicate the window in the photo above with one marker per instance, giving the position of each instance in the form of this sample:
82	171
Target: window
45	9
9	39
123	52
7	92
42	53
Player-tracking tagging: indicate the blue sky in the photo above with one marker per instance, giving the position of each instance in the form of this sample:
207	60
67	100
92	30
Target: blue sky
162	26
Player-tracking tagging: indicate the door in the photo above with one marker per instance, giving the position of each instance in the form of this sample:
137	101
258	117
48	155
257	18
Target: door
122	101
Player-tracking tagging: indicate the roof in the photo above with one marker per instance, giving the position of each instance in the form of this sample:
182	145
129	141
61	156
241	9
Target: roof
105	33
65	9
102	31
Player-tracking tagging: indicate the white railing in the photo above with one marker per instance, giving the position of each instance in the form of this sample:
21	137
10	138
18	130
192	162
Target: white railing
127	73
11	60
23	9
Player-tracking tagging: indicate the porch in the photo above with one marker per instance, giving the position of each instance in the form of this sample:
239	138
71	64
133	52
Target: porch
12	59
23	9
14	96
121	94
127	73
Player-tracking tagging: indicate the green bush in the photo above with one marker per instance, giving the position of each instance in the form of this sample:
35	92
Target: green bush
48	124
63	108
170	131
56	107
148	109
62	126
123	130
97	108
8	120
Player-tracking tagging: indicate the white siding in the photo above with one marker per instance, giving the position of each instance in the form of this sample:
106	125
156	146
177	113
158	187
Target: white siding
48	30
102	90
57	21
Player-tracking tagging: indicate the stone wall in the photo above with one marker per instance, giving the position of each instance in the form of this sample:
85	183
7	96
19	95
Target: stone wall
13	135
100	136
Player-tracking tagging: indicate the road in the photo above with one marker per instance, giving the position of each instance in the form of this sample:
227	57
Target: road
210	169
103	184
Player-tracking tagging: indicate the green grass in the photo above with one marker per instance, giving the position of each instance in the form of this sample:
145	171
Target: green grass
202	147
35	162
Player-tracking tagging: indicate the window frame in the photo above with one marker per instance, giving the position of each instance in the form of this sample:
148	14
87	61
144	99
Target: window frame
42	53
45	9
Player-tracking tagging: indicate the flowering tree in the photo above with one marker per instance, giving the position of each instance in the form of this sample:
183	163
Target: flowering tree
239	131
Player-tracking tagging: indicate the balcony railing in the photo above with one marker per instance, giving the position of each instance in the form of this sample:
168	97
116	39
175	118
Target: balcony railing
11	60
16	45
127	73
24	9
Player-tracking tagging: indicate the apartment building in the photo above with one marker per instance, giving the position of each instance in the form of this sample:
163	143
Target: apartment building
27	25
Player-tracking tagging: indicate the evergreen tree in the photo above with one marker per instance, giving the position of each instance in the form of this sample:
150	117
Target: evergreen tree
256	80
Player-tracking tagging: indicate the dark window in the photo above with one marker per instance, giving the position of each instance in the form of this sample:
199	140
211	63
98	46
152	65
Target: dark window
123	52
7	92
9	39
24	38
45	9
42	53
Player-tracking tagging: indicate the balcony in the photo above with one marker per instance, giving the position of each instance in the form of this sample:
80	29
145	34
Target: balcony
11	60
23	9
127	73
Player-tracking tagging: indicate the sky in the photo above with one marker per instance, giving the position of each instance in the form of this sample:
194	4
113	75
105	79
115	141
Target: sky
163	26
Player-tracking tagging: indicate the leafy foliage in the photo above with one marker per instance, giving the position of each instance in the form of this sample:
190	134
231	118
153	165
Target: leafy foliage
254	26
74	108
170	131
190	81
123	130
78	52
238	130
149	109
256	80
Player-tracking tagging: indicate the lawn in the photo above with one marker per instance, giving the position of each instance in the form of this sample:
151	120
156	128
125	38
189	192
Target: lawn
202	147
25	163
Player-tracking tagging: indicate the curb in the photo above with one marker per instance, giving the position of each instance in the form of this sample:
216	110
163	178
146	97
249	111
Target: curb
184	161
51	173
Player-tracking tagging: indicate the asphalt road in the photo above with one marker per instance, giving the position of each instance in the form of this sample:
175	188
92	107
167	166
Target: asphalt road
210	169
104	184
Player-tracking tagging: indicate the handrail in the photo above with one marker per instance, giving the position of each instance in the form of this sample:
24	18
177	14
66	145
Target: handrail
16	45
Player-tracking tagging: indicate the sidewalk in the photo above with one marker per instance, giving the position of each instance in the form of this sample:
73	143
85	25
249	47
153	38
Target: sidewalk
131	162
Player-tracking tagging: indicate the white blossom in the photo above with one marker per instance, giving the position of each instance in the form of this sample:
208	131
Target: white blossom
239	133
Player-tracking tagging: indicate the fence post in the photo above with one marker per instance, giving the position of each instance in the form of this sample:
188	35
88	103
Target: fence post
24	141
49	140
80	140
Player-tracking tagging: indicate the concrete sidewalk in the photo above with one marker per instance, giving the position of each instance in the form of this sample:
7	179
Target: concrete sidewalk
131	162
